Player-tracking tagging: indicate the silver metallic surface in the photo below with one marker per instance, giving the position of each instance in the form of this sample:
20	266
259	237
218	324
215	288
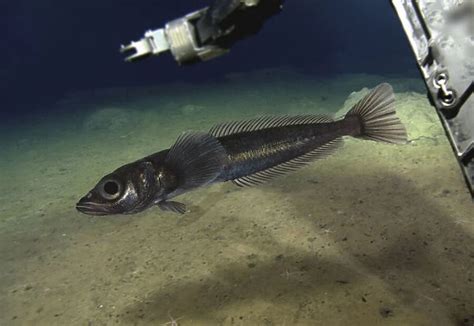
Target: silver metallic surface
251	3
179	37
153	43
445	95
441	34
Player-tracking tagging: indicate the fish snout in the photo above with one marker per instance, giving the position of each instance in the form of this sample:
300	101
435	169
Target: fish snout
85	206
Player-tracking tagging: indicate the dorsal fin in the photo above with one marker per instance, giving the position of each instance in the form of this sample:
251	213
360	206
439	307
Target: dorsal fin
292	165
235	127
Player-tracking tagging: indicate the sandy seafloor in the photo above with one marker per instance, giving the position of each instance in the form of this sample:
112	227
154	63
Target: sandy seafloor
374	235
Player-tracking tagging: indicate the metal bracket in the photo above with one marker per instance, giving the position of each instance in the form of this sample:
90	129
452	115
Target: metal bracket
441	36
179	37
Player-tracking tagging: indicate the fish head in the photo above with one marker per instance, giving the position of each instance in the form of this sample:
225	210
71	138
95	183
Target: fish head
129	189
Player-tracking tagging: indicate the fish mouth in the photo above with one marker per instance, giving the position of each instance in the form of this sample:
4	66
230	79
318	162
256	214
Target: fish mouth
91	208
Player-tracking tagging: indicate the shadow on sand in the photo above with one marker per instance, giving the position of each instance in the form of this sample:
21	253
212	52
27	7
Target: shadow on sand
408	242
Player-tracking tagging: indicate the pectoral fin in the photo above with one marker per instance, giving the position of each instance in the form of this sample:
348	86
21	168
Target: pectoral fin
196	159
172	206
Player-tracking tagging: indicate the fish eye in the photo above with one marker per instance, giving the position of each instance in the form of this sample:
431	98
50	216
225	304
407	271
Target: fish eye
110	189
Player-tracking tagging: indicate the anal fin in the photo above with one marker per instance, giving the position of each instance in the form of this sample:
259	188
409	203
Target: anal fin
289	166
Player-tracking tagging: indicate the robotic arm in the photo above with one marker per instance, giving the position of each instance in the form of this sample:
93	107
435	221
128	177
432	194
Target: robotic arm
440	33
206	33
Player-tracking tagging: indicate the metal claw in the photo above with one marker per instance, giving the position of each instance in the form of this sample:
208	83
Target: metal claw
153	43
141	48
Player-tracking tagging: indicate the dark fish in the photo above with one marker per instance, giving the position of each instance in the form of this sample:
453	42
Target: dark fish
247	152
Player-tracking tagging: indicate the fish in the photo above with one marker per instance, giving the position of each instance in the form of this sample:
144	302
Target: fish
247	153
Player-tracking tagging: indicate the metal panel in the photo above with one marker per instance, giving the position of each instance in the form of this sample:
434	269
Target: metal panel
441	34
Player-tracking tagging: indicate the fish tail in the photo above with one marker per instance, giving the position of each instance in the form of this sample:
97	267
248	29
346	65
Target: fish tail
376	116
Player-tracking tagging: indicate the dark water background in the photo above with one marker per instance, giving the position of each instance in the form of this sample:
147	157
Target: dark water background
52	47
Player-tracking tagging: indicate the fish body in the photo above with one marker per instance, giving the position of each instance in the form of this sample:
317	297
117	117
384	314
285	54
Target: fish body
251	152
246	152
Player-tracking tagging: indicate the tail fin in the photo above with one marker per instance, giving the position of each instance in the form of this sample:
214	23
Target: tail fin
376	113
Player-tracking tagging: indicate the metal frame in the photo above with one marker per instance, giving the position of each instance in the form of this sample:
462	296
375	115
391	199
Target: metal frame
441	35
